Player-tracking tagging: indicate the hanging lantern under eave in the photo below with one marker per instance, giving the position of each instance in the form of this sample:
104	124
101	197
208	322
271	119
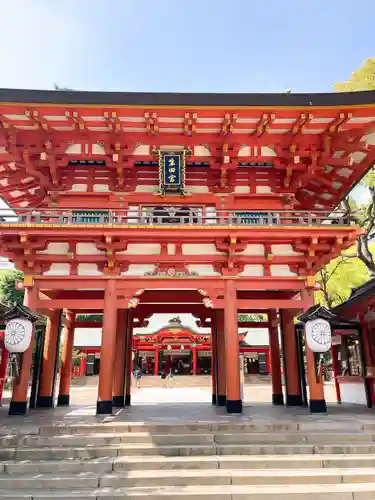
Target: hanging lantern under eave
318	335
18	335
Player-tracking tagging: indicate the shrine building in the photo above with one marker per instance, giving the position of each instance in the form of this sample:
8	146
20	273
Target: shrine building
130	204
174	344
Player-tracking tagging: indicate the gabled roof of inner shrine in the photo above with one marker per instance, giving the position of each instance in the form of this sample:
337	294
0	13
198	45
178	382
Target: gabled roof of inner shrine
319	145
320	312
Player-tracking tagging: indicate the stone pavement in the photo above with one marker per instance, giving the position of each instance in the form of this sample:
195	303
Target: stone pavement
179	405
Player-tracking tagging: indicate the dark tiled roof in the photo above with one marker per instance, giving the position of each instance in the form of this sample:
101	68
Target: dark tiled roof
19	311
321	312
184	99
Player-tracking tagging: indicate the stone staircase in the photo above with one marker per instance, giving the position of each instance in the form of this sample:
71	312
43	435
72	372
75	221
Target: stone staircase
223	460
178	381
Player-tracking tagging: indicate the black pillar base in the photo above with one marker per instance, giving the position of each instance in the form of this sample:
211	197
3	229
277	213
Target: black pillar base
294	400
318	406
214	399
118	401
63	400
278	399
128	399
17	408
103	407
221	400
234	406
45	402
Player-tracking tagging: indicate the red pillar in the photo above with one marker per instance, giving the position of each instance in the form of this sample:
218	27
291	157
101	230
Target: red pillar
45	397
108	349
277	387
118	399
66	361
156	367
18	404
336	372
81	367
268	361
291	369
129	360
221	359
3	372
194	360
234	401
317	401
366	341
214	361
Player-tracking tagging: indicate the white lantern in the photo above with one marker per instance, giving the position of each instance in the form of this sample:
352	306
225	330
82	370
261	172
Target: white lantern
18	333
318	335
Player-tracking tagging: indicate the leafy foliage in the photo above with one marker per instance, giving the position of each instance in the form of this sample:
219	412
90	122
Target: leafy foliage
339	277
354	266
361	79
8	293
243	318
89	317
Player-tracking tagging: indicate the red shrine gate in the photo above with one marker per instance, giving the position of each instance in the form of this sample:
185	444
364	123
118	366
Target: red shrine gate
128	204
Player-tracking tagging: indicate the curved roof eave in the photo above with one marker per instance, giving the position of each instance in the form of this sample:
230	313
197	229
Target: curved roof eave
165	99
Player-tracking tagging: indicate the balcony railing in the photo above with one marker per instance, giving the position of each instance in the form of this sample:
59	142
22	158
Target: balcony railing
161	216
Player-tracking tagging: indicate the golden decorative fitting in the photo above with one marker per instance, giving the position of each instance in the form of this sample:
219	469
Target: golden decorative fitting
132	304
208	303
28	280
310	281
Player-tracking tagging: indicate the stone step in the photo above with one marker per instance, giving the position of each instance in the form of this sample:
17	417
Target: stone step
121	464
203	428
185	478
234	477
146	449
349	491
183	439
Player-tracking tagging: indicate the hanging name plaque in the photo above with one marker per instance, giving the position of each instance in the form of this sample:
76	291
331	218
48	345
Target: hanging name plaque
172	172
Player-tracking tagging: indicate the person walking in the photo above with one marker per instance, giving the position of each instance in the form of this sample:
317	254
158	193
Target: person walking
138	377
170	378
163	379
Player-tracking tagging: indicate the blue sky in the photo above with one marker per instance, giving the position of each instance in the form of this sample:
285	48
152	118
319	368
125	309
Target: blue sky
184	45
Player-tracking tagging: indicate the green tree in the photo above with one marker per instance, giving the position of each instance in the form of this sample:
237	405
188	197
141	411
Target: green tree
337	278
9	295
89	317
363	215
243	318
361	79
